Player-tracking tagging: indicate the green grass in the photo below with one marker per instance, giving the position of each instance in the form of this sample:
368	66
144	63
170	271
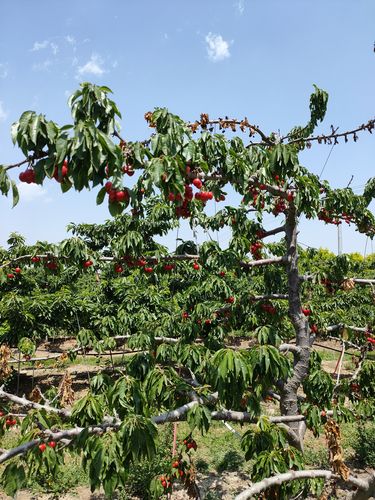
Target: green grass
219	450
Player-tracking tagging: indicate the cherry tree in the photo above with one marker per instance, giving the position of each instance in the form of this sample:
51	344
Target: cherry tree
216	331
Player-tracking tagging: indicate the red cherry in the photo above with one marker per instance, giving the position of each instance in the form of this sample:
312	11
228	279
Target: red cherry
197	183
222	273
171	197
87	264
306	312
63	173
10	276
35	259
196	266
108	186
181	473
52	444
112	195
17	270
185	315
42	447
277	177
118	268
121	196
229	300
207	322
52	265
290	196
148	270
314	328
168	267
176	464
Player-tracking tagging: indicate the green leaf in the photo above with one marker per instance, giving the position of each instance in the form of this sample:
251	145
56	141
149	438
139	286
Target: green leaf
100	196
15	194
35	128
13	478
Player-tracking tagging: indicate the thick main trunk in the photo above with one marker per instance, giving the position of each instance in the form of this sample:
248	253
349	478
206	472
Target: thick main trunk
289	388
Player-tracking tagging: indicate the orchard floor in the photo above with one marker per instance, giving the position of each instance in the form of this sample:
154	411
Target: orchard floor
222	470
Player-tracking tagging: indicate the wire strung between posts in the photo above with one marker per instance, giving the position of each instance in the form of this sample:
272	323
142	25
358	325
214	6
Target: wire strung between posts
325	163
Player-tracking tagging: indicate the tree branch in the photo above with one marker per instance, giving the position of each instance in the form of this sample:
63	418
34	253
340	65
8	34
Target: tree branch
295	475
270	296
26	403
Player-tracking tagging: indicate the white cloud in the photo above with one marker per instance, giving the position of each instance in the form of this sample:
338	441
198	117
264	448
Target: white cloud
3	113
217	47
93	67
40	45
70	39
45	45
54	48
240	6
43	66
30	192
3	71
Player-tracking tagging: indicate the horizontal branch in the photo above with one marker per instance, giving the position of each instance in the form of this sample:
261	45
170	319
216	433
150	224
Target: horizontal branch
333	136
66	434
270	296
272	232
290	348
361	281
26	403
257	488
334	328
29	159
167	258
264	262
345	342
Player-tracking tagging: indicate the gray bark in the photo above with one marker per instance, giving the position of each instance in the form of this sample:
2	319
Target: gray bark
289	388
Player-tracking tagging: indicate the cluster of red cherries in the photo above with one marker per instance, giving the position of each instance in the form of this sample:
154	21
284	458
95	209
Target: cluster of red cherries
328	217
28	175
182	209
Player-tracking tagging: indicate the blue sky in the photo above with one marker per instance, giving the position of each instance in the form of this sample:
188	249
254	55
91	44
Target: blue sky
236	57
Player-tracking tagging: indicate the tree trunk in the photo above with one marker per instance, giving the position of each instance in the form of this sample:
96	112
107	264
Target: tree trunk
289	388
